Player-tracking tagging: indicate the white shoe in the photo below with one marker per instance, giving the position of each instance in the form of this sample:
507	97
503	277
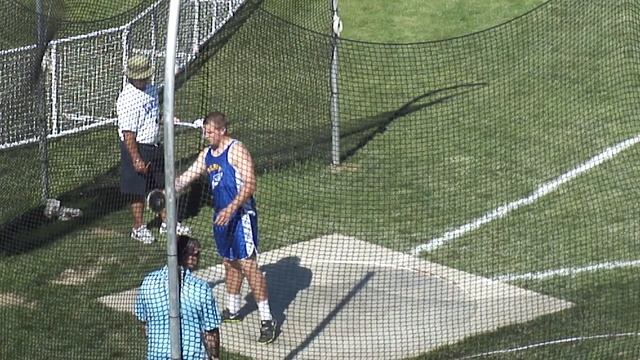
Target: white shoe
180	229
143	235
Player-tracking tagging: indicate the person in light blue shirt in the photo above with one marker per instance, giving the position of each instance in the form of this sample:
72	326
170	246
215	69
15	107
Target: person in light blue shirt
200	318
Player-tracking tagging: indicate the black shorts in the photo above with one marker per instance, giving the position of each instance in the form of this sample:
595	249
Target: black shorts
134	183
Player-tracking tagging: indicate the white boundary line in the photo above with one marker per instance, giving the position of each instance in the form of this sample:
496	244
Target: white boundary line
540	275
553	342
541	191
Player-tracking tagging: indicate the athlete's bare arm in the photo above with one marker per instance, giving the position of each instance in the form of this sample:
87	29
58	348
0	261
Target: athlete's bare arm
194	172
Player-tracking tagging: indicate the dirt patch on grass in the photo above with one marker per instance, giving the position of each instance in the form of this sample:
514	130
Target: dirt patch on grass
11	299
82	274
342	168
104	232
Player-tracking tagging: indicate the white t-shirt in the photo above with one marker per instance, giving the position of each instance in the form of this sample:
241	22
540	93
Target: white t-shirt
138	111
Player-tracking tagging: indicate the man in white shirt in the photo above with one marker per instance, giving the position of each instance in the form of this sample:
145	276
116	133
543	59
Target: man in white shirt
141	154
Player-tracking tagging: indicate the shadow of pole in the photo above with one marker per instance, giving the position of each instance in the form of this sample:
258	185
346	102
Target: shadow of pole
323	324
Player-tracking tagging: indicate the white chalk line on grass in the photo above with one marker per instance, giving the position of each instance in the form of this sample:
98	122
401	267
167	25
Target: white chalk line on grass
542	275
541	191
553	342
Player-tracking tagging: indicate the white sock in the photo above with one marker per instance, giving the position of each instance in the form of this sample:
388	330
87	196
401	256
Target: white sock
265	311
233	302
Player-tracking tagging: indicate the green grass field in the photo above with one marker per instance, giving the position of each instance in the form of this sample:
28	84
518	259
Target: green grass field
545	107
411	21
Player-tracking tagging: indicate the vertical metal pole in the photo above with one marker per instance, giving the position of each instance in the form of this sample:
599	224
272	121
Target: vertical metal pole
195	35
154	31
43	147
125	53
214	20
172	258
53	64
335	114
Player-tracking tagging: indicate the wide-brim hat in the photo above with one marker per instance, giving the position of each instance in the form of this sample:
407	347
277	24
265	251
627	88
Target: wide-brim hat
139	67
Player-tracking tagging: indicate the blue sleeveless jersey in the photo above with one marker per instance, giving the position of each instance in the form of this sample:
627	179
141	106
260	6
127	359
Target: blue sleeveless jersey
225	185
239	239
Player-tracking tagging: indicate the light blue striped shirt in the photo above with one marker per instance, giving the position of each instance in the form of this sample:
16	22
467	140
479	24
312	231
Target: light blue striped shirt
198	310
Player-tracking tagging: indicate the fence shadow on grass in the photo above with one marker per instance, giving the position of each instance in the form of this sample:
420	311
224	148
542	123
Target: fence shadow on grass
304	144
32	229
364	130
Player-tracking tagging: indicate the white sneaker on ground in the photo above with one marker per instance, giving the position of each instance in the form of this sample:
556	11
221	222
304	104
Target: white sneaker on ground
180	229
143	235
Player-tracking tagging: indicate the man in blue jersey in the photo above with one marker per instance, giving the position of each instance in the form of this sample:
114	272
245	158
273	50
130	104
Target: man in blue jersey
229	167
199	314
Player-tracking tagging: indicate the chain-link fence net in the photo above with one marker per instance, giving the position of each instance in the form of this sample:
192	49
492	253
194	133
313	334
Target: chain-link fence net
483	206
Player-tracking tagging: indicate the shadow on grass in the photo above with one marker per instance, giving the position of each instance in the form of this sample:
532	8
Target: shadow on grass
32	229
367	128
354	133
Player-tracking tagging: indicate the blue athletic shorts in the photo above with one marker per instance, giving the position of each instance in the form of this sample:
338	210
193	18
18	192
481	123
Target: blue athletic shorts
239	239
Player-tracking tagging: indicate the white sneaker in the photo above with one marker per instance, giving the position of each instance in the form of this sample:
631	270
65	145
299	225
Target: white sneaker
180	229
143	235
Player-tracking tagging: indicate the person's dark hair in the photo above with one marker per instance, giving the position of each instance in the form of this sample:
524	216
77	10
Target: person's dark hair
186	246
